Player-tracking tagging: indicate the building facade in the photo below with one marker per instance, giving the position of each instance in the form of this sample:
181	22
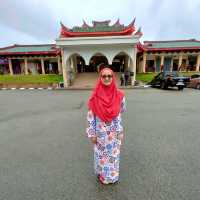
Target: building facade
85	48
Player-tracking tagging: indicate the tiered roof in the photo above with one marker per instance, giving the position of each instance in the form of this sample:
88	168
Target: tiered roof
43	49
172	45
99	28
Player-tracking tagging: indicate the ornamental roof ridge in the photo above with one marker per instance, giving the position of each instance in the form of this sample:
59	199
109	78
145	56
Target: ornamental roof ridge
105	22
85	25
117	23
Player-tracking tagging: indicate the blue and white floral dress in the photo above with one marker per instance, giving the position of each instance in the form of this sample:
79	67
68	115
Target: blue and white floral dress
107	149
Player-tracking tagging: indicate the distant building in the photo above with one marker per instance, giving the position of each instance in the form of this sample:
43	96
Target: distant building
30	59
178	55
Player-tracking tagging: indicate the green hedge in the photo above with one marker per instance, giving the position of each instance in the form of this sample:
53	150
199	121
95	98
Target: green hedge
48	78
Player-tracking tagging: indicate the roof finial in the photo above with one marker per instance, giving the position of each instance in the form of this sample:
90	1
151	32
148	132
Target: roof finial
63	26
132	23
117	23
85	25
139	31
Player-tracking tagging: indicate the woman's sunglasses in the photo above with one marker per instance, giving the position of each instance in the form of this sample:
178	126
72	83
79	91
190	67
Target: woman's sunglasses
107	76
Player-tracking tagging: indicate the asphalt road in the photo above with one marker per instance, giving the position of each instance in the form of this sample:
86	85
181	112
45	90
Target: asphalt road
45	154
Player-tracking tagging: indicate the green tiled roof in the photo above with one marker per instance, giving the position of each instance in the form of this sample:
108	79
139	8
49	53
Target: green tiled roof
99	27
28	48
172	44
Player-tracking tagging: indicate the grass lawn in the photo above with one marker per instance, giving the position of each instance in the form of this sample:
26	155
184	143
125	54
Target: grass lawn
48	78
147	77
188	73
54	78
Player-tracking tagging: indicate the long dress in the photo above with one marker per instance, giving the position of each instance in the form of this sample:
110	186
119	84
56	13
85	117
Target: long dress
107	148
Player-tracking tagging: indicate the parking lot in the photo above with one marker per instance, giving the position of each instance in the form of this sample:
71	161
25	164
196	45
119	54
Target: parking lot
45	154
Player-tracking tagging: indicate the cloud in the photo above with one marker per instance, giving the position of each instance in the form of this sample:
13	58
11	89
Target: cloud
29	17
174	20
40	19
11	36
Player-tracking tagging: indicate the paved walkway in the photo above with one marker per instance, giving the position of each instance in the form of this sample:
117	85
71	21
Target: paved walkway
45	155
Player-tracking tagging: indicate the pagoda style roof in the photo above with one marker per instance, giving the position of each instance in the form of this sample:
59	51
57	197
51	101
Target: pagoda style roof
99	28
42	49
172	45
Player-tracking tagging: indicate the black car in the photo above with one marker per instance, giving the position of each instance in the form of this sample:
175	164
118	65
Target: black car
169	79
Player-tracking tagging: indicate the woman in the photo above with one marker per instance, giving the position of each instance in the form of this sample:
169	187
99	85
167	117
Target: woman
104	126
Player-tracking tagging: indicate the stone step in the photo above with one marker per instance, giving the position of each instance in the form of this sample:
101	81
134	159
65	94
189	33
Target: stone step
89	79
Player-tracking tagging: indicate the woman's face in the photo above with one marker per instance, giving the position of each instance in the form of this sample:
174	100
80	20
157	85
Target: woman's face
106	77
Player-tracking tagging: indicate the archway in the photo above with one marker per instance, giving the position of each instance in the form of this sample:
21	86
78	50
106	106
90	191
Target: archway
122	65
121	62
75	65
97	61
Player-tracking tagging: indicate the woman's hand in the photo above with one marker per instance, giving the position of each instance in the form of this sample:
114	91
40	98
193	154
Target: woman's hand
93	140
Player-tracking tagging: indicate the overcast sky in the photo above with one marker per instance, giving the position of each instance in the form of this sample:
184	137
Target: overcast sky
38	21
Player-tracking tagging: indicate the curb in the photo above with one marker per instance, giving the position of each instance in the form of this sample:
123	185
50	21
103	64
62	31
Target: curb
78	88
90	88
49	88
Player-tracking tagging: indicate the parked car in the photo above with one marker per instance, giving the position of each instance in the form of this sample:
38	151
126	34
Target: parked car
170	79
195	81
